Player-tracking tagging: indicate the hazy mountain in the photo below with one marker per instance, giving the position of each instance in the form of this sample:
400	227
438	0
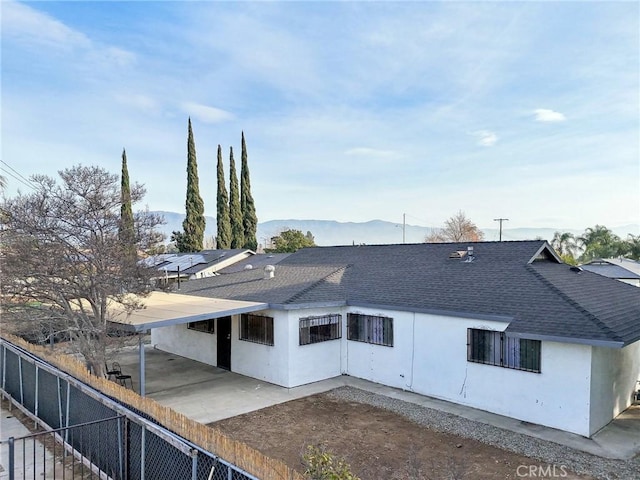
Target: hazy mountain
173	223
329	232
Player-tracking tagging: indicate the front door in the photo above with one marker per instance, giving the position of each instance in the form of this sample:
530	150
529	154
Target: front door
224	343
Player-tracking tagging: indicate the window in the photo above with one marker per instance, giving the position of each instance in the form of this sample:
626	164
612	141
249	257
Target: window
370	329
206	326
320	329
496	348
256	328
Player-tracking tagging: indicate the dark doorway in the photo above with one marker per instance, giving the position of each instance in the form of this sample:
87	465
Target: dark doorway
224	343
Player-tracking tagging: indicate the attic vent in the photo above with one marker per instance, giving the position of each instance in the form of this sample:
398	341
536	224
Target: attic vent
269	271
543	256
457	254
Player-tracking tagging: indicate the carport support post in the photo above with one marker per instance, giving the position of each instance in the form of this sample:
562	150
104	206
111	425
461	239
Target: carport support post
141	353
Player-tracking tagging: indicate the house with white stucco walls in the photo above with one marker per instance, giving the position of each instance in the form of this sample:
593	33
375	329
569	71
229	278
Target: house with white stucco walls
505	327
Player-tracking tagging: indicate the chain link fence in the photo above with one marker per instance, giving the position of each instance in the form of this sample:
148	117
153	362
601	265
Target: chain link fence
56	453
130	447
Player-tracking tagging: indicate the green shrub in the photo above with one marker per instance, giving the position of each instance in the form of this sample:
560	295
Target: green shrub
322	465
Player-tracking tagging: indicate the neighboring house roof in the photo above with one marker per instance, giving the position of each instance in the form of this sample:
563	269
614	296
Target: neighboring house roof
259	260
192	263
618	268
522	283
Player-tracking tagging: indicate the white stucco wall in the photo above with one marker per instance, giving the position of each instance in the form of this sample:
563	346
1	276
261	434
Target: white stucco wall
381	364
264	362
580	388
317	361
614	377
557	397
187	343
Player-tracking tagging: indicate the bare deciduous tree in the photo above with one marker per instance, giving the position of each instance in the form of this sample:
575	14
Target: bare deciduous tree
63	263
456	229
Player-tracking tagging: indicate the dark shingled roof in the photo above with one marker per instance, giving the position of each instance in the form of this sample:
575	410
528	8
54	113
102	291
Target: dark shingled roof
523	283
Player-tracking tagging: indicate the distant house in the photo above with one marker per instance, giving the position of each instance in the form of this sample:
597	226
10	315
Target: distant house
500	326
623	269
195	265
259	261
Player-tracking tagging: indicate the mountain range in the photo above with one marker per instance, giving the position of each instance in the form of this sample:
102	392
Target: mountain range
330	232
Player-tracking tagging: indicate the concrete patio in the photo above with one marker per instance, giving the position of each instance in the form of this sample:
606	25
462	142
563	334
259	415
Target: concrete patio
208	394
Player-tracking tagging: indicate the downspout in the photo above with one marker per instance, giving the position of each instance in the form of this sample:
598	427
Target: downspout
413	351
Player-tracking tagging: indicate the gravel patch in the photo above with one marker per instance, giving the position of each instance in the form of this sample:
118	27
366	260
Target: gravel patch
535	448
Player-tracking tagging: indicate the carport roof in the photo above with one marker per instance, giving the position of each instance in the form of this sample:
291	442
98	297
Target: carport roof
164	309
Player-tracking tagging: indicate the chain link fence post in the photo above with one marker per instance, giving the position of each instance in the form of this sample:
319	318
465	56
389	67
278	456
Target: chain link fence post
125	448
12	460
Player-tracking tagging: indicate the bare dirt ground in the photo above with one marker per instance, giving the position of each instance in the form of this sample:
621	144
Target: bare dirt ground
376	443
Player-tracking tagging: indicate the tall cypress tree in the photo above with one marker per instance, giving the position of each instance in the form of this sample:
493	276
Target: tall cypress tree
223	238
235	213
249	218
126	230
194	222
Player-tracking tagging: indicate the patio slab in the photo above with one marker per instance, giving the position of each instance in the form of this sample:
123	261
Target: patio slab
206	393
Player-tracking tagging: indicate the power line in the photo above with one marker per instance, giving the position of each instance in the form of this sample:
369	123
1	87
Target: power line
18	176
417	218
16	172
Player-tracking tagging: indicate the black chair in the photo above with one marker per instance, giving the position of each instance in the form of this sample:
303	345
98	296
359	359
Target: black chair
122	380
114	371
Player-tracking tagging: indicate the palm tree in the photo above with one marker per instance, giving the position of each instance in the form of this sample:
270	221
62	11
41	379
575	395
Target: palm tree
600	242
564	243
633	247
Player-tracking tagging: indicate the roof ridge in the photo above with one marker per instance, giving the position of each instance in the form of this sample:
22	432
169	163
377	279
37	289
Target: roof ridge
574	304
299	294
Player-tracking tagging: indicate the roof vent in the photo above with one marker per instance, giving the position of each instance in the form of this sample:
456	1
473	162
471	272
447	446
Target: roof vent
470	256
269	271
576	269
248	267
457	254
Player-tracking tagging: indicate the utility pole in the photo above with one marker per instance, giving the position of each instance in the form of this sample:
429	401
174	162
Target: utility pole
404	226
500	220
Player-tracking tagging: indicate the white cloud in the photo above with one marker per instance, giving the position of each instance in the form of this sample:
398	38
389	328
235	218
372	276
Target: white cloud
486	138
205	113
545	115
29	26
47	36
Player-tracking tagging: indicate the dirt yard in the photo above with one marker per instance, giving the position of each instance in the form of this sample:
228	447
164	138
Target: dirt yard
377	443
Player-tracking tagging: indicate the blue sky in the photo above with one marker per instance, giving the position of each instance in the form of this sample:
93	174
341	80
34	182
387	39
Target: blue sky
352	111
